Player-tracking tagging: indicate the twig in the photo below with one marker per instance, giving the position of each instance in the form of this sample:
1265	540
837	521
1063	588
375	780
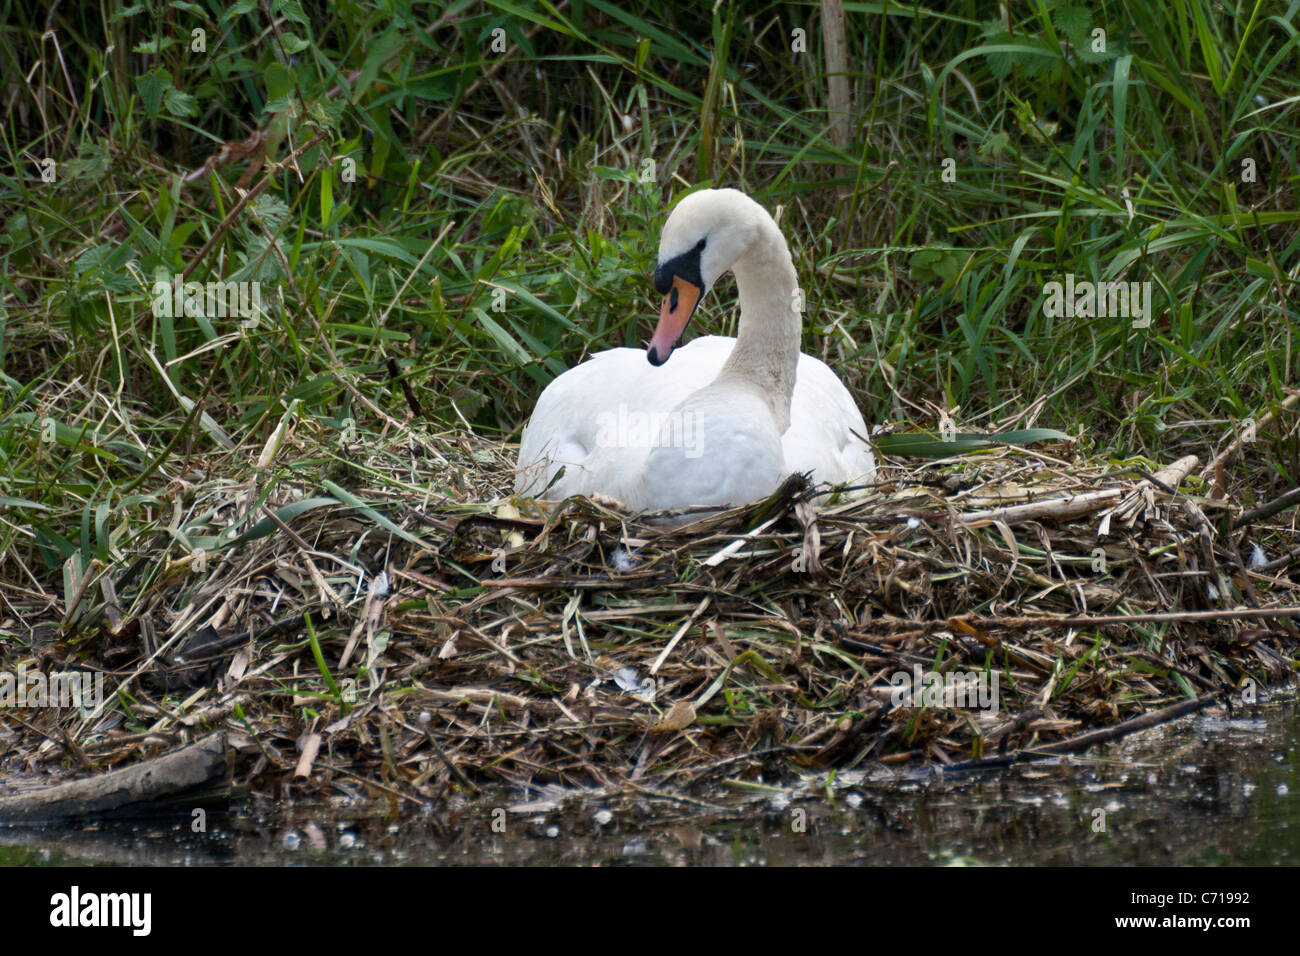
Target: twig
1280	503
1073	506
395	375
238	207
1245	437
1079	742
1102	620
681	631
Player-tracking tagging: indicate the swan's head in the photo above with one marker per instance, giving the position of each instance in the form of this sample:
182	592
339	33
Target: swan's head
704	236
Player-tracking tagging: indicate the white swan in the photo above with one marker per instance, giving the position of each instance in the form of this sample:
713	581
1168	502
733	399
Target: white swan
725	420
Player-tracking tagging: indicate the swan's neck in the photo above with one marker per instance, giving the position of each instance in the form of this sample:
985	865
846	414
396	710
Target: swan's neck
767	344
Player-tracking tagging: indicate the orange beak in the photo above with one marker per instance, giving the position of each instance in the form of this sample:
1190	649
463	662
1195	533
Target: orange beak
678	305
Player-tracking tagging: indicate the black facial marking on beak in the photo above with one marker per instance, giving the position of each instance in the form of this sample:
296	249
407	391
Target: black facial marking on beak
672	300
686	265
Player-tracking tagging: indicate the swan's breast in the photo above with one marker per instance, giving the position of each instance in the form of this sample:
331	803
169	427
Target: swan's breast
719	447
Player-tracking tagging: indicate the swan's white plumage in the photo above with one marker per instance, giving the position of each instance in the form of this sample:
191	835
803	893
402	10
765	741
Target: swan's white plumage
677	435
565	427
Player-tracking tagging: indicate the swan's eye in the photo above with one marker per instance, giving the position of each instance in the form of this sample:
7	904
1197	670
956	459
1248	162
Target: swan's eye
699	246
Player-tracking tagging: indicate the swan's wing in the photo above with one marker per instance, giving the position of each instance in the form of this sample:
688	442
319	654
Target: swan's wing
579	412
823	419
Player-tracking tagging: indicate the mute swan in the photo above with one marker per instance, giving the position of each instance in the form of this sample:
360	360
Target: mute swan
725	420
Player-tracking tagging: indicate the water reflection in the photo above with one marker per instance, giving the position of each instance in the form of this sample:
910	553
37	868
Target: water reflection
1217	788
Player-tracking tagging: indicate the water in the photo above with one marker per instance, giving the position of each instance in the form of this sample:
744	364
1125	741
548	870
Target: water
1213	788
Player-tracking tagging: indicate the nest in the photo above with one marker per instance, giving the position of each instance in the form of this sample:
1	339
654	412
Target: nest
962	614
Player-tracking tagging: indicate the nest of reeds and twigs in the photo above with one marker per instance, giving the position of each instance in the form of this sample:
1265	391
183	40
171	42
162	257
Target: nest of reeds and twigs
370	641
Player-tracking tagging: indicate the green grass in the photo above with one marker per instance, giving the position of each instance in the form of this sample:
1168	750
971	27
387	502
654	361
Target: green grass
483	218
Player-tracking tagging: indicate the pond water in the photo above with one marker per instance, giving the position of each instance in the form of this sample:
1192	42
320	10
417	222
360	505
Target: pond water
1213	788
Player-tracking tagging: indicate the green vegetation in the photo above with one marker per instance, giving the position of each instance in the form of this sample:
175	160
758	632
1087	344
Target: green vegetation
468	200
